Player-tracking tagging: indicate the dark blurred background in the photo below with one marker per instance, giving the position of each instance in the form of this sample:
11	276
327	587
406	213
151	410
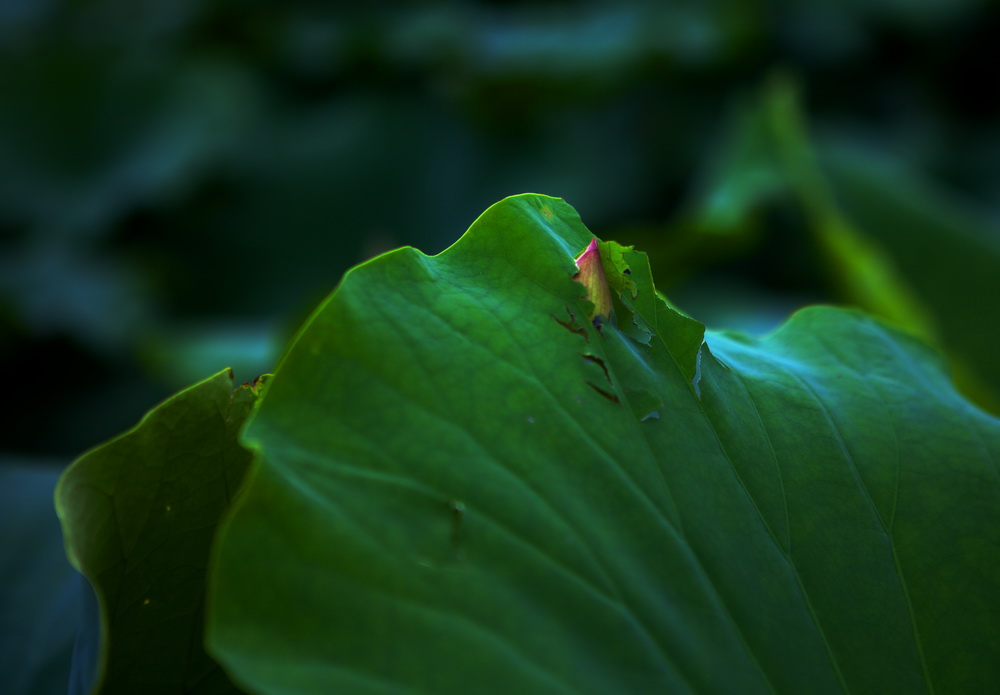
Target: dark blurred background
182	182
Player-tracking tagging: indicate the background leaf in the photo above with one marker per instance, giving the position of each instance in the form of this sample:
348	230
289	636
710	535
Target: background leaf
460	488
949	251
864	228
139	514
131	134
41	604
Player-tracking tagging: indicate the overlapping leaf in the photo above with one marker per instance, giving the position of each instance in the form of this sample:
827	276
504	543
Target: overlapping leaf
139	515
465	486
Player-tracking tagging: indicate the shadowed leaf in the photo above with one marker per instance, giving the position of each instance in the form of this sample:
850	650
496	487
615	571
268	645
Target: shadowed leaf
139	514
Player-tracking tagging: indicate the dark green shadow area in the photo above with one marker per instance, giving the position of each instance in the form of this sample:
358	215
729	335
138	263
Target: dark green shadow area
139	516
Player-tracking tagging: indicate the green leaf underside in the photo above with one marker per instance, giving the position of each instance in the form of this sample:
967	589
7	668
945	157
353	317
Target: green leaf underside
461	487
139	515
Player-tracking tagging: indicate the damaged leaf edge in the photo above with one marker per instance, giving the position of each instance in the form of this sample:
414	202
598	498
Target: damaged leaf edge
592	275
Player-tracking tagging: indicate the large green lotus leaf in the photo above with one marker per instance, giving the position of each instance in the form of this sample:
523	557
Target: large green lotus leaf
463	486
138	515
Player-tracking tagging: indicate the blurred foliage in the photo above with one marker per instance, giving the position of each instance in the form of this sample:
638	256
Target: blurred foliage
43	598
181	182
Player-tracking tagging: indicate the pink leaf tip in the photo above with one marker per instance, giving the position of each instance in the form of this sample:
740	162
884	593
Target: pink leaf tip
591	276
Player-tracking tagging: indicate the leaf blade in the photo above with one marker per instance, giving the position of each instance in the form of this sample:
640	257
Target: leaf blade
478	503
